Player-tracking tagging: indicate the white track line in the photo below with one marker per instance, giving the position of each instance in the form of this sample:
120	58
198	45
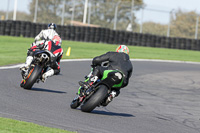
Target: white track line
68	60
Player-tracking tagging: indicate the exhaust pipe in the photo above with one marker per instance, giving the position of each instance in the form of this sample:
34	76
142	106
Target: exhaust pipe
44	57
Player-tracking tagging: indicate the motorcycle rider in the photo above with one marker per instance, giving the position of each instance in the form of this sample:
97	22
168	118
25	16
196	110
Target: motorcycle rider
118	60
47	34
48	40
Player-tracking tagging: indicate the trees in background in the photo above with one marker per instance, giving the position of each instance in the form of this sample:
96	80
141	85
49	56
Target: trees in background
101	12
154	28
20	15
48	10
183	25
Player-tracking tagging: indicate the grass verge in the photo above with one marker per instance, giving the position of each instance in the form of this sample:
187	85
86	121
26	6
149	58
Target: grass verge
13	50
14	126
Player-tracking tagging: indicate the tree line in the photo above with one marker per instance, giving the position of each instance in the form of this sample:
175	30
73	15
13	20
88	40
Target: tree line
101	12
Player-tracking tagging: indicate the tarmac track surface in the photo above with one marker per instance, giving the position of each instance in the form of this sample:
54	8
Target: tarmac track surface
160	98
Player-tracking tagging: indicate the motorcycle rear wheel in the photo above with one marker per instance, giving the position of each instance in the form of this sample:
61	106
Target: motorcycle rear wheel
95	99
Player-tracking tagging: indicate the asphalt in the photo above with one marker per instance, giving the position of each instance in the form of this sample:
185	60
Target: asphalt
160	98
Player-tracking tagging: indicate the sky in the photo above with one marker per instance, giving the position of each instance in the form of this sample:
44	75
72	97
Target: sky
156	10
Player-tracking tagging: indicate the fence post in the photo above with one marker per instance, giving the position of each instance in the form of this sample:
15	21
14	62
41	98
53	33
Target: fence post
196	31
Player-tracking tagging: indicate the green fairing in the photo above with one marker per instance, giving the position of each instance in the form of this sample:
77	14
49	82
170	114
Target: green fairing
105	75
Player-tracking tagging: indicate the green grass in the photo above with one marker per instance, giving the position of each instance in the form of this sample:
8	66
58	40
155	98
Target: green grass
14	126
13	50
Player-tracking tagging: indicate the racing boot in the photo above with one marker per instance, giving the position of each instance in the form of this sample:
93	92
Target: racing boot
29	59
112	95
47	74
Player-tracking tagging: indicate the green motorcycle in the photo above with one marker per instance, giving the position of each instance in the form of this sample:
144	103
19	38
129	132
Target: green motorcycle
100	93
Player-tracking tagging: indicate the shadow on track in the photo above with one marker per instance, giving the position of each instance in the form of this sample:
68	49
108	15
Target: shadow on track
46	90
111	113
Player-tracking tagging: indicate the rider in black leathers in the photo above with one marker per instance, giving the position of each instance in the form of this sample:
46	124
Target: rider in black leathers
115	61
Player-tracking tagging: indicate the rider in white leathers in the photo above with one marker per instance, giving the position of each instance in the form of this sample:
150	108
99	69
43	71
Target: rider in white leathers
47	34
44	37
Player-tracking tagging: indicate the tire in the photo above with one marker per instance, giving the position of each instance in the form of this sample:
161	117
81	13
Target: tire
75	103
95	99
34	74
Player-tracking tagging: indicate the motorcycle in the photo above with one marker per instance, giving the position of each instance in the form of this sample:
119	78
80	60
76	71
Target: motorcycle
41	62
99	94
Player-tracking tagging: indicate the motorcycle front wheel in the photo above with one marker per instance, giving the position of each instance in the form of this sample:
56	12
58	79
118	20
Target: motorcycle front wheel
75	103
33	75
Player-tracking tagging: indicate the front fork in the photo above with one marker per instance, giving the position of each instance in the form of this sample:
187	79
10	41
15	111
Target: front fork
86	79
79	90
